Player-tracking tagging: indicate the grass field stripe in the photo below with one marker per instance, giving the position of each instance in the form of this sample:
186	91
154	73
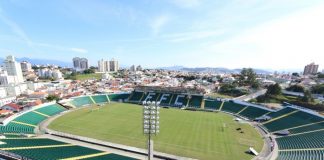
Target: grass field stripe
92	100
305	149
87	156
108	98
36	147
305	125
221	106
45	115
283	116
26	124
242	110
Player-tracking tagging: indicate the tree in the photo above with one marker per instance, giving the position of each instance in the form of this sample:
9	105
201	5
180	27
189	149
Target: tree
307	97
89	71
274	89
295	74
52	97
296	88
248	77
318	89
320	75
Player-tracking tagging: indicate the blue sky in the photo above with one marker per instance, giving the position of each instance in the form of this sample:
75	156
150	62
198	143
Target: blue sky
277	34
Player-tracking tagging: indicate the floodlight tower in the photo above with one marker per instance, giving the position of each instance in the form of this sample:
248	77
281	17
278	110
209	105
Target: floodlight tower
151	123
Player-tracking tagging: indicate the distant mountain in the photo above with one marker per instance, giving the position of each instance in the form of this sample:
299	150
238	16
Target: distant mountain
35	61
212	70
172	68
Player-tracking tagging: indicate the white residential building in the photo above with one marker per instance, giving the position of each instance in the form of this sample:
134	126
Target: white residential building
13	68
133	68
103	66
114	66
50	73
26	66
80	64
3	92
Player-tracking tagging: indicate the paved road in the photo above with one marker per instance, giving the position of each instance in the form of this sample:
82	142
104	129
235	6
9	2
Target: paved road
252	95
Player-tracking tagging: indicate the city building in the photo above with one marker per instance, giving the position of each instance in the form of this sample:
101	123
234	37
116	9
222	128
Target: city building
80	64
103	66
13	69
114	66
3	92
133	68
25	66
311	69
139	68
50	73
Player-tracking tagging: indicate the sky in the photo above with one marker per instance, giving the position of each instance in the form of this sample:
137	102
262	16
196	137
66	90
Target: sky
265	34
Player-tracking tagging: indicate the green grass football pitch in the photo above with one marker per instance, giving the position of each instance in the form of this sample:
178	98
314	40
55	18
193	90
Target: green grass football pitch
201	135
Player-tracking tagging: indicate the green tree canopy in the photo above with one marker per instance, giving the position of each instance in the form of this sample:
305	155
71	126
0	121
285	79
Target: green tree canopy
274	89
248	77
296	88
52	98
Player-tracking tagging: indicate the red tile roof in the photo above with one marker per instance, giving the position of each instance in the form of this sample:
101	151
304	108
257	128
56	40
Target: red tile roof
15	106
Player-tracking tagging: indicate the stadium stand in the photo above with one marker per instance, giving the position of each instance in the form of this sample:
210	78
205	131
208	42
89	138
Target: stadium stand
301	155
118	97
81	101
302	141
307	128
296	118
253	112
100	98
47	149
16	128
232	107
195	101
305	142
281	112
212	104
165	99
110	157
51	109
136	96
30	118
178	100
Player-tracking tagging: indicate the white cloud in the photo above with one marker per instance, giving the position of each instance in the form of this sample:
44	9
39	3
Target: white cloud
79	50
289	42
187	36
15	28
159	22
186	3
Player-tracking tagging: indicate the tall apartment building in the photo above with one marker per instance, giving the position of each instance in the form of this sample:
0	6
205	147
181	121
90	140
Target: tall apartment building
25	66
80	64
103	66
114	66
13	69
108	66
311	69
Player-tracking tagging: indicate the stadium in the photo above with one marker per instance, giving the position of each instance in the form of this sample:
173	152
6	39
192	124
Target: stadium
109	126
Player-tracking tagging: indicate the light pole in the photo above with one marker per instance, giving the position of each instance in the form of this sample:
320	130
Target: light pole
151	123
